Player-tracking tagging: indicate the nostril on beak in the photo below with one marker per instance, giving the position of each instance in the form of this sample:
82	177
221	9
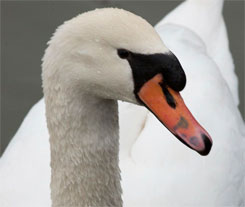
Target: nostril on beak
207	143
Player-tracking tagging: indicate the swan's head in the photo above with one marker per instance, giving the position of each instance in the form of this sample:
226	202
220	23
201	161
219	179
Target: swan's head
114	54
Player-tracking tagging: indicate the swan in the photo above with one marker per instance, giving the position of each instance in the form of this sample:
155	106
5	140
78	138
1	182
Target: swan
38	154
87	66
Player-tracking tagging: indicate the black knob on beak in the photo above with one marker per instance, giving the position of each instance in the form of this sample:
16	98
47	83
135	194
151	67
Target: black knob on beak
173	73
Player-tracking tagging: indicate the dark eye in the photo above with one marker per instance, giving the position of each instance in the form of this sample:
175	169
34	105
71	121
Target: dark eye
123	53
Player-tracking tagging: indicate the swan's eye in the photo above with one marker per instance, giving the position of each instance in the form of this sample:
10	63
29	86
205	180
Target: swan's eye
122	53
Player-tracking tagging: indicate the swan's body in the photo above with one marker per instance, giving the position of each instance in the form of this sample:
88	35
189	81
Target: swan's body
30	149
156	171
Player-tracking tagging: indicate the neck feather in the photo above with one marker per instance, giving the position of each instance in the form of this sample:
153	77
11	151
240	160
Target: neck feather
84	142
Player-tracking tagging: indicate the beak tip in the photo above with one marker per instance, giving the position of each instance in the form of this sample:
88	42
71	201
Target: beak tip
208	145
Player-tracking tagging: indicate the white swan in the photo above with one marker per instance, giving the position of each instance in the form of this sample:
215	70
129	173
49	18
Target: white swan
29	175
88	64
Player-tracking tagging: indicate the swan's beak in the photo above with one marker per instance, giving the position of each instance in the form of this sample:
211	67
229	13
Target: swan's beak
169	107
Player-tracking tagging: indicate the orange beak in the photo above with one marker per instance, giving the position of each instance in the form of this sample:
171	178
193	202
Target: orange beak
168	106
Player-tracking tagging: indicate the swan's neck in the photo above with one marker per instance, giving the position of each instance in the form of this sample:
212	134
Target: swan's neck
84	144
